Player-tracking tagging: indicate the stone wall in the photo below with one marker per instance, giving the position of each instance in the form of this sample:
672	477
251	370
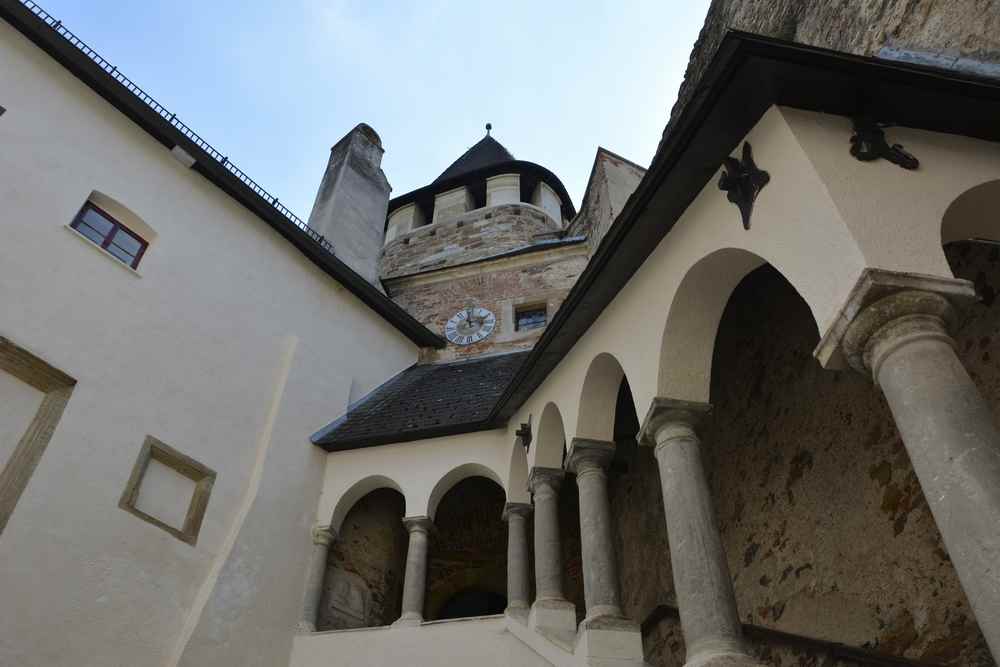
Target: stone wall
826	529
956	34
468	551
363	586
481	233
500	286
613	179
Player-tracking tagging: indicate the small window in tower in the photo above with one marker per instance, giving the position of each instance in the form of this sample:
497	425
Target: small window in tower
112	236
530	317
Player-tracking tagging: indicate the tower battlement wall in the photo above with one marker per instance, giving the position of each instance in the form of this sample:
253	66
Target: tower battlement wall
484	232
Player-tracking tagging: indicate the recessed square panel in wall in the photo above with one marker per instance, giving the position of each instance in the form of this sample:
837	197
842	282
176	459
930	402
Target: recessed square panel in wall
169	490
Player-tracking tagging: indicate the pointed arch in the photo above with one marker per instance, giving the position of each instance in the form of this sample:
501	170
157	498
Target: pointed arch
551	440
688	343
599	398
974	214
456	475
356	492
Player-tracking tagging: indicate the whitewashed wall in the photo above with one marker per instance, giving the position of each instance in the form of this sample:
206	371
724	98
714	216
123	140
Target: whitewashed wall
227	345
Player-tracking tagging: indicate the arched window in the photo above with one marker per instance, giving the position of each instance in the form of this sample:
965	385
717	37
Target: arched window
113	228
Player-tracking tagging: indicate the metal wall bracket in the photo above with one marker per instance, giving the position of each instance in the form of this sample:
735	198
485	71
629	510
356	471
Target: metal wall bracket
868	143
742	181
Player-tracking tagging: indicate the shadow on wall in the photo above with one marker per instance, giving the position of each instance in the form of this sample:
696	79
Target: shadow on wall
826	529
363	585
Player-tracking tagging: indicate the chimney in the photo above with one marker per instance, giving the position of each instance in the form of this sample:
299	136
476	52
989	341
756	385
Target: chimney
352	201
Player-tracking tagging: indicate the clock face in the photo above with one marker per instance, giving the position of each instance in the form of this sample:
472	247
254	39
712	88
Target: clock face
470	326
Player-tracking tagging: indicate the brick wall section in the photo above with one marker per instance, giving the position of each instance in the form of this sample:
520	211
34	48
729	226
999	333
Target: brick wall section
475	235
825	526
612	180
500	286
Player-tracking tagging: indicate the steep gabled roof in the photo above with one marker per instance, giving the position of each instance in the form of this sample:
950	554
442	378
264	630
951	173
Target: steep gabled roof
487	152
424	401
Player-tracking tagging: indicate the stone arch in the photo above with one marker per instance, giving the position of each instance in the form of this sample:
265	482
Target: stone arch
356	492
517	475
550	443
688	343
456	475
973	215
599	398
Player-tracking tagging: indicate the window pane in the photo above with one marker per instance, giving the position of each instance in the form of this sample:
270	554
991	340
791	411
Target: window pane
98	221
121	254
530	319
90	233
126	242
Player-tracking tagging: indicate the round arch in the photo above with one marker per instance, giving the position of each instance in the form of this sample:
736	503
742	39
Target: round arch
688	343
456	475
550	443
356	492
973	214
599	398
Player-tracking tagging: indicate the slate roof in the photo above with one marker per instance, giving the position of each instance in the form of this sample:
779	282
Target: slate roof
487	152
424	401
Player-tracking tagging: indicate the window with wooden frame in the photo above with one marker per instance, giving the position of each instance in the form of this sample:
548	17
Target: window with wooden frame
113	237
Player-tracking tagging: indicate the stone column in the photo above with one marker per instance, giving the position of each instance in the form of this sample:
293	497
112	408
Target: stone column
550	610
415	578
709	618
589	461
903	340
322	537
518	590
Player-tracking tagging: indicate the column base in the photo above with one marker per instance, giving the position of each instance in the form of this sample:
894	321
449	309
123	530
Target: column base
408	620
553	616
614	638
724	660
518	610
305	628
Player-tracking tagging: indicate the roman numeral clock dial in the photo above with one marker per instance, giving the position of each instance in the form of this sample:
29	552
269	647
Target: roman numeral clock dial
469	326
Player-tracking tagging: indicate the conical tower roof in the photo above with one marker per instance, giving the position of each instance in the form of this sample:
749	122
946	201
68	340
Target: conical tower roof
487	151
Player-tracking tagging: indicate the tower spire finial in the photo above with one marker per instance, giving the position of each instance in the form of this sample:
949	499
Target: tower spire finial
489	126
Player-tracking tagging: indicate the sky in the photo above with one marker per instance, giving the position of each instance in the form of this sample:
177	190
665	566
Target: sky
273	85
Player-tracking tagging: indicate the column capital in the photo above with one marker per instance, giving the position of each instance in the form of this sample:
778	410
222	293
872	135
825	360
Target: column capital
323	535
545	477
418	524
515	509
880	297
669	412
587	453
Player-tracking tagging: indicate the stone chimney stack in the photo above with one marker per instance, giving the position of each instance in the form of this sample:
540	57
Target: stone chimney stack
352	201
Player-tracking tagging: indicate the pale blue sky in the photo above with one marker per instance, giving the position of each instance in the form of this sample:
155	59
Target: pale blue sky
274	84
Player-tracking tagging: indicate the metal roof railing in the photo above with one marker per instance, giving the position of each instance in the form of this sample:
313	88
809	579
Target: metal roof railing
171	118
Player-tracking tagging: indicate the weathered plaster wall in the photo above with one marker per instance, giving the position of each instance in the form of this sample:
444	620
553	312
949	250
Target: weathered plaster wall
612	181
484	232
499	285
825	526
958	34
227	345
363	586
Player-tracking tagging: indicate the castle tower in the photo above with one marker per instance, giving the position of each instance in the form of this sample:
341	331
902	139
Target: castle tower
480	254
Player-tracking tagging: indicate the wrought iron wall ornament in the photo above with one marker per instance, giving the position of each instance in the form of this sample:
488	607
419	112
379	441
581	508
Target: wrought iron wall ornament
524	433
742	181
868	143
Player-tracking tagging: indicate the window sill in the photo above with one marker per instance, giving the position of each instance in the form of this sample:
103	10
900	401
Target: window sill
103	253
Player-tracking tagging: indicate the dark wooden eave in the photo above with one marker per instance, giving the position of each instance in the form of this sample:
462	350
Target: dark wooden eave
748	75
160	128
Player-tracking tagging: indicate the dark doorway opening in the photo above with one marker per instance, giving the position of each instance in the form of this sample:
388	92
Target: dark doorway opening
473	603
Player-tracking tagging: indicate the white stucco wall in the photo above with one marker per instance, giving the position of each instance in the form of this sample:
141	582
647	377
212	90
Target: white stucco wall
485	642
227	345
815	222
